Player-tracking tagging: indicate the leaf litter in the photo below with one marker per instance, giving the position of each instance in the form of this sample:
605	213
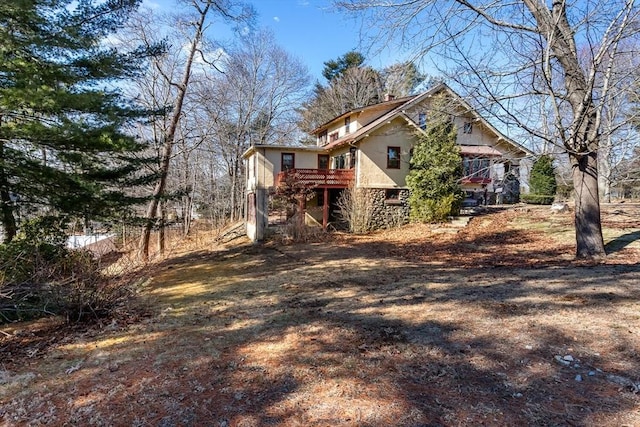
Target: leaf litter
412	326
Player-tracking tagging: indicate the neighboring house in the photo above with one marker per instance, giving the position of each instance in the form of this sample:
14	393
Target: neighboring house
370	148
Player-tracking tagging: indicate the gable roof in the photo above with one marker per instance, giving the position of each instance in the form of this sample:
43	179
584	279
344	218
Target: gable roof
296	148
391	104
400	112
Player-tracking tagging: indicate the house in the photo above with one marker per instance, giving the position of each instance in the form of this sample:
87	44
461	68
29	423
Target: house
370	148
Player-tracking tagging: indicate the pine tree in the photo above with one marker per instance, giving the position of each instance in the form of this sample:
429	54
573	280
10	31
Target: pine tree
542	182
436	169
63	148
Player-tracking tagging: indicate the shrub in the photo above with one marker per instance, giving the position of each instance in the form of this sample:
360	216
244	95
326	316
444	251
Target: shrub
356	209
542	182
39	276
537	199
436	170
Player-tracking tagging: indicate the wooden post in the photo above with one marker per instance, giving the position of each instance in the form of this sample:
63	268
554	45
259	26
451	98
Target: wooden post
302	207
325	210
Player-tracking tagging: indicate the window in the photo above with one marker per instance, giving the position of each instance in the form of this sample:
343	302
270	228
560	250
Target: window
333	136
323	161
288	161
352	157
468	127
422	120
476	168
393	157
392	194
339	161
323	138
347	124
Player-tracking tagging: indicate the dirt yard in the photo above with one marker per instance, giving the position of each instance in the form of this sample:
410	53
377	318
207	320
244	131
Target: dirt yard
492	324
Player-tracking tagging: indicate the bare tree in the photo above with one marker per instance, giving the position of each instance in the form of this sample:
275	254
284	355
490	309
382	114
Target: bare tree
252	102
620	135
177	79
401	79
168	138
536	58
355	87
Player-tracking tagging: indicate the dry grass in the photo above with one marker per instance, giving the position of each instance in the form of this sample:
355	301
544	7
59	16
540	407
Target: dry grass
410	327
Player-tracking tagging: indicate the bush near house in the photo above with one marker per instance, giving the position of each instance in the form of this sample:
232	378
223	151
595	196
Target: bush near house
542	182
355	207
436	169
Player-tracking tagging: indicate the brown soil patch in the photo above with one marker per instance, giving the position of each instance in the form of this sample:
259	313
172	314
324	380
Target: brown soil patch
420	326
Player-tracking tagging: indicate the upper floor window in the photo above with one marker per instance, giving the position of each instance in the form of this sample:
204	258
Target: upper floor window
323	138
339	162
333	136
347	124
323	161
288	161
422	120
468	127
393	157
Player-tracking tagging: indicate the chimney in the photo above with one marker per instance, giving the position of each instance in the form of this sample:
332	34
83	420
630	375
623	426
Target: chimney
389	97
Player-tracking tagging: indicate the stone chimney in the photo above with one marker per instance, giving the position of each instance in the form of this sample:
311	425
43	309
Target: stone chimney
389	97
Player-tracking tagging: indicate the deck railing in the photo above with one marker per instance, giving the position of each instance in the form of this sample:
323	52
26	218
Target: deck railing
336	178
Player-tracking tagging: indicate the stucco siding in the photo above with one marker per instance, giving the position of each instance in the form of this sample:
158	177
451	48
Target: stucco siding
372	171
266	169
269	163
479	134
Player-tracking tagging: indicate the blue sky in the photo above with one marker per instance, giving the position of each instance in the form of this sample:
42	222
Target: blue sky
311	30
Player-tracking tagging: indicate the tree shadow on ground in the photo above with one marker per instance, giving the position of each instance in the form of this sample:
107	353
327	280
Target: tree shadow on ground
432	344
622	242
366	333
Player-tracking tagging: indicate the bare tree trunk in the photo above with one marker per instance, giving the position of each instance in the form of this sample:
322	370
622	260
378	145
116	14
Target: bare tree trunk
583	136
589	241
9	226
158	192
233	194
169	140
187	206
162	228
605	170
187	199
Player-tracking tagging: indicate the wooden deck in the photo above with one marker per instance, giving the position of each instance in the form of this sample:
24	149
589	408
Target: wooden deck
318	178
